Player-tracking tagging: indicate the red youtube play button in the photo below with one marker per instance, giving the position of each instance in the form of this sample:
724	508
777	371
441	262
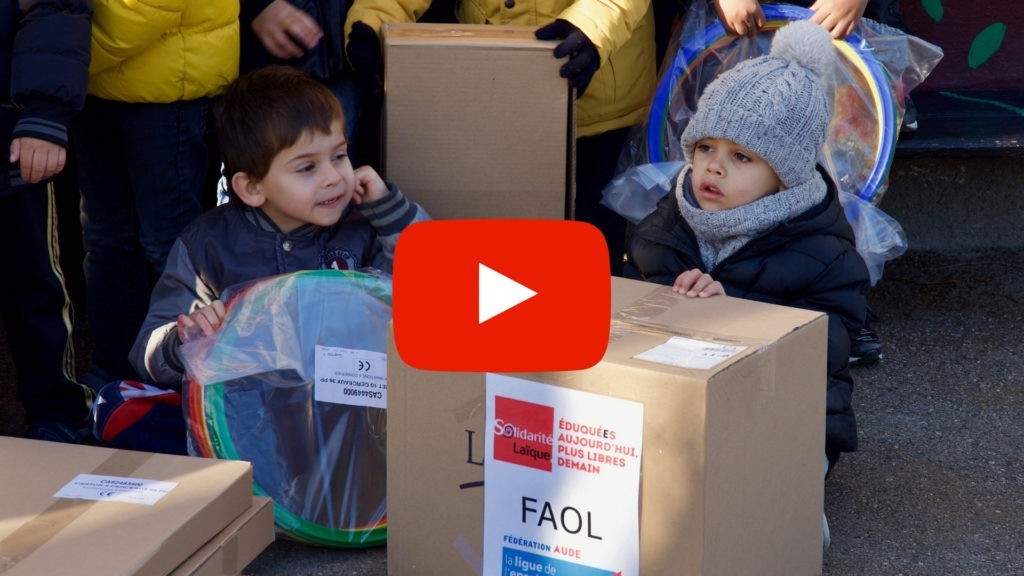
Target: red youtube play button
501	295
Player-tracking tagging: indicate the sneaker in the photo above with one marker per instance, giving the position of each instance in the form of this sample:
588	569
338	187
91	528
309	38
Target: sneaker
866	347
909	125
58	432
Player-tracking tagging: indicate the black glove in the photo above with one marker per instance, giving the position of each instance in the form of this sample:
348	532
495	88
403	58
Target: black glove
364	54
583	57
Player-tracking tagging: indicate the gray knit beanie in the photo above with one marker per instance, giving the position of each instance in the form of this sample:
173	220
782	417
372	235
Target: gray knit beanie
774	105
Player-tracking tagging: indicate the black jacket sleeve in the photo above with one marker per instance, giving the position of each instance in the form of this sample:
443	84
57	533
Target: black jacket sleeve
50	66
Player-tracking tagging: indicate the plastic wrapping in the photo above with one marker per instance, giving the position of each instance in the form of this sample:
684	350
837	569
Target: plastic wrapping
635	192
878	65
253	395
880	237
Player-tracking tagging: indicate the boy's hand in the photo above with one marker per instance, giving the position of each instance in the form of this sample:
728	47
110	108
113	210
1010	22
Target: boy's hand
203	321
740	17
839	17
369	186
285	31
696	284
40	159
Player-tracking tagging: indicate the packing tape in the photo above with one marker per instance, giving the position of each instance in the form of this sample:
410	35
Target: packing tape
31	535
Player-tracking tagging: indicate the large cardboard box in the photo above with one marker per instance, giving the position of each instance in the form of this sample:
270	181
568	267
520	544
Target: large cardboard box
731	472
41	533
477	121
234	547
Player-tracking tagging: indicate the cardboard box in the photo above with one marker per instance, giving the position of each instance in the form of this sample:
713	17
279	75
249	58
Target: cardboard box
235	546
731	472
477	121
44	534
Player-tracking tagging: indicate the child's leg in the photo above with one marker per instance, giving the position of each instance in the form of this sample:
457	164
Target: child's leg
116	279
37	312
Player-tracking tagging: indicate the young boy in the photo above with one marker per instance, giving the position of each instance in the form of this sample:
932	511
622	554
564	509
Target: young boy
297	204
753	217
282	137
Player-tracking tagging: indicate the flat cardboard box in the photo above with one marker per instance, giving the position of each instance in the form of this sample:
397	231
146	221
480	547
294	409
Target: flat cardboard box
477	121
731	472
231	550
43	534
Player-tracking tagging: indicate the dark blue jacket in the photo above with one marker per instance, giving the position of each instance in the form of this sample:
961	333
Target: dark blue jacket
325	62
810	262
233	244
44	71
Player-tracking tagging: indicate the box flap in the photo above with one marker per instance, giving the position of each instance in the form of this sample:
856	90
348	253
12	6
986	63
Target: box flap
518	37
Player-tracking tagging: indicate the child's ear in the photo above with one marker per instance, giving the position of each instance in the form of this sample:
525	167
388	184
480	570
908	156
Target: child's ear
247	189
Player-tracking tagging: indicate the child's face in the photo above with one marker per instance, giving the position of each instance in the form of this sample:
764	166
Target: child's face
726	175
310	182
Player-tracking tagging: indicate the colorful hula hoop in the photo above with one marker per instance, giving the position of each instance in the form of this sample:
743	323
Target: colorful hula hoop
854	48
210	434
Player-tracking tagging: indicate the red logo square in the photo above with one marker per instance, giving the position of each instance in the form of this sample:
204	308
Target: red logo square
523	433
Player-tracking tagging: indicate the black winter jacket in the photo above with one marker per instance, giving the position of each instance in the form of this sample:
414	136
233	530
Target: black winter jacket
44	71
809	261
325	62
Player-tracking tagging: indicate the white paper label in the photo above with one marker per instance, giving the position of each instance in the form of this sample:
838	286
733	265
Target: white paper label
350	376
116	489
690	353
562	477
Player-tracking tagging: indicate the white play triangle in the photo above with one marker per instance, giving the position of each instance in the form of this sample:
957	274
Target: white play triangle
497	293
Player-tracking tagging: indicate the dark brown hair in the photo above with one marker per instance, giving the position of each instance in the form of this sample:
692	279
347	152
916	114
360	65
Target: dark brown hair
266	111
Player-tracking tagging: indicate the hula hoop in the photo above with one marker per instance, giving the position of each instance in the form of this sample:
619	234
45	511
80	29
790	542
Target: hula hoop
854	48
211	434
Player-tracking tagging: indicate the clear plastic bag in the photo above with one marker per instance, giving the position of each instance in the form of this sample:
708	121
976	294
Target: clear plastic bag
635	192
252	394
880	237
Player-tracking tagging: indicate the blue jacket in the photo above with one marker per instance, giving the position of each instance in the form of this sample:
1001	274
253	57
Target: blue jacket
809	261
44	71
234	244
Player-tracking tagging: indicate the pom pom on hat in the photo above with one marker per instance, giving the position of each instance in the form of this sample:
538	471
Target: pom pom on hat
807	44
774	105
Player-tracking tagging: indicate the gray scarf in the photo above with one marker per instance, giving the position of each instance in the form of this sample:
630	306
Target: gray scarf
720	234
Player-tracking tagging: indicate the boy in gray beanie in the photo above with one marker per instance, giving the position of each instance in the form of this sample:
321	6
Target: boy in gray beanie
754	217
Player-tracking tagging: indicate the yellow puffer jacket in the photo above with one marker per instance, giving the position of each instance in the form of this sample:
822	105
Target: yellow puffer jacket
162	51
622	31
